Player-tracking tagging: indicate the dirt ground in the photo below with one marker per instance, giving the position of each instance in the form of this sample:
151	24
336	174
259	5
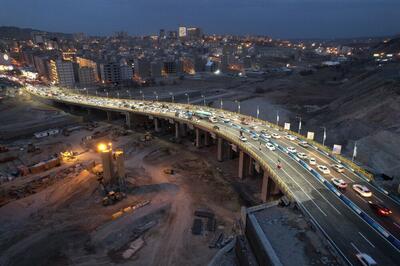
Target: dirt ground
61	221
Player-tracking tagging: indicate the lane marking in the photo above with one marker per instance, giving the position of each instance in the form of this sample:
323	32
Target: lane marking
348	177
369	242
330	204
378	199
358	195
396	224
354	246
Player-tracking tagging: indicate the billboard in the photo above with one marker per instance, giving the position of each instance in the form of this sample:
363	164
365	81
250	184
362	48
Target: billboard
337	149
310	135
287	126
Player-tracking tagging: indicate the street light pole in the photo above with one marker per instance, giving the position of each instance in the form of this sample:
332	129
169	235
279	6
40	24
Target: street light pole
204	100
238	106
188	98
299	124
258	111
172	96
277	118
221	104
324	137
354	151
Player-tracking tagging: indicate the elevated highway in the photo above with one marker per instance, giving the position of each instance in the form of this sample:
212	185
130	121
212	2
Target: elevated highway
343	217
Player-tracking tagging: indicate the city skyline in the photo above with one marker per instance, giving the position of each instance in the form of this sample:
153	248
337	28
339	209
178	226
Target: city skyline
278	19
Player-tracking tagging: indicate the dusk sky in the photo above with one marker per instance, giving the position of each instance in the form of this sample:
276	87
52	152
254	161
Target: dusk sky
277	18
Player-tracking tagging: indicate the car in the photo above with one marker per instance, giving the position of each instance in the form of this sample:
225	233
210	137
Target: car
290	137
365	259
243	139
226	120
291	149
339	183
380	209
276	136
216	127
312	161
338	168
254	137
213	119
302	155
304	144
323	169
362	190
270	146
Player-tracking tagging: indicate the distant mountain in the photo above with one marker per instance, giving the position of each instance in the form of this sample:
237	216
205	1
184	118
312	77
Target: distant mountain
15	33
390	46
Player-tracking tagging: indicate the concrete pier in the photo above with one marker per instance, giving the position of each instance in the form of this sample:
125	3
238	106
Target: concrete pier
220	147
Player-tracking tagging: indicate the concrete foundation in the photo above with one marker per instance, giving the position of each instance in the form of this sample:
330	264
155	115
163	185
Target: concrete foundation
198	138
220	144
157	127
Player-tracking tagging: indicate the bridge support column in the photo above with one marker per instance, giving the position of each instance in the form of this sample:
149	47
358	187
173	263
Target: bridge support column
229	151
198	138
109	115
251	166
268	187
206	139
157	124
89	112
183	129
177	130
220	149
128	120
241	164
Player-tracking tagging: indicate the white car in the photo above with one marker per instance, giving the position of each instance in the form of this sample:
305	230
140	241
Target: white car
291	149
338	168
365	259
213	119
243	139
339	183
270	146
302	155
290	137
323	169
362	190
312	161
276	136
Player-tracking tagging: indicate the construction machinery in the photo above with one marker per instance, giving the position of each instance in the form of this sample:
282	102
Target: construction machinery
113	197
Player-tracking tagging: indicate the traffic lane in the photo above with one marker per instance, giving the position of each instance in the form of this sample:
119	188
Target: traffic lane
368	238
335	224
389	223
363	242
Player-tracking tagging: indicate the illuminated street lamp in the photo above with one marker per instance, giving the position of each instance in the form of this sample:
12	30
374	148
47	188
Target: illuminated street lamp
221	104
87	91
204	100
258	111
96	93
238	106
324	137
172	97
188	98
155	93
299	117
118	94
141	92
277	118
107	94
130	95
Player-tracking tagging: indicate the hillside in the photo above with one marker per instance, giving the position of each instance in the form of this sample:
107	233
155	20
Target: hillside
367	112
15	33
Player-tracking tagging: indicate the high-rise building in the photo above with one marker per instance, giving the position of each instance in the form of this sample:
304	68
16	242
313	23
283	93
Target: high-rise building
86	76
172	34
156	69
111	73
162	34
126	72
65	71
142	68
84	62
193	33
182	32
169	68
